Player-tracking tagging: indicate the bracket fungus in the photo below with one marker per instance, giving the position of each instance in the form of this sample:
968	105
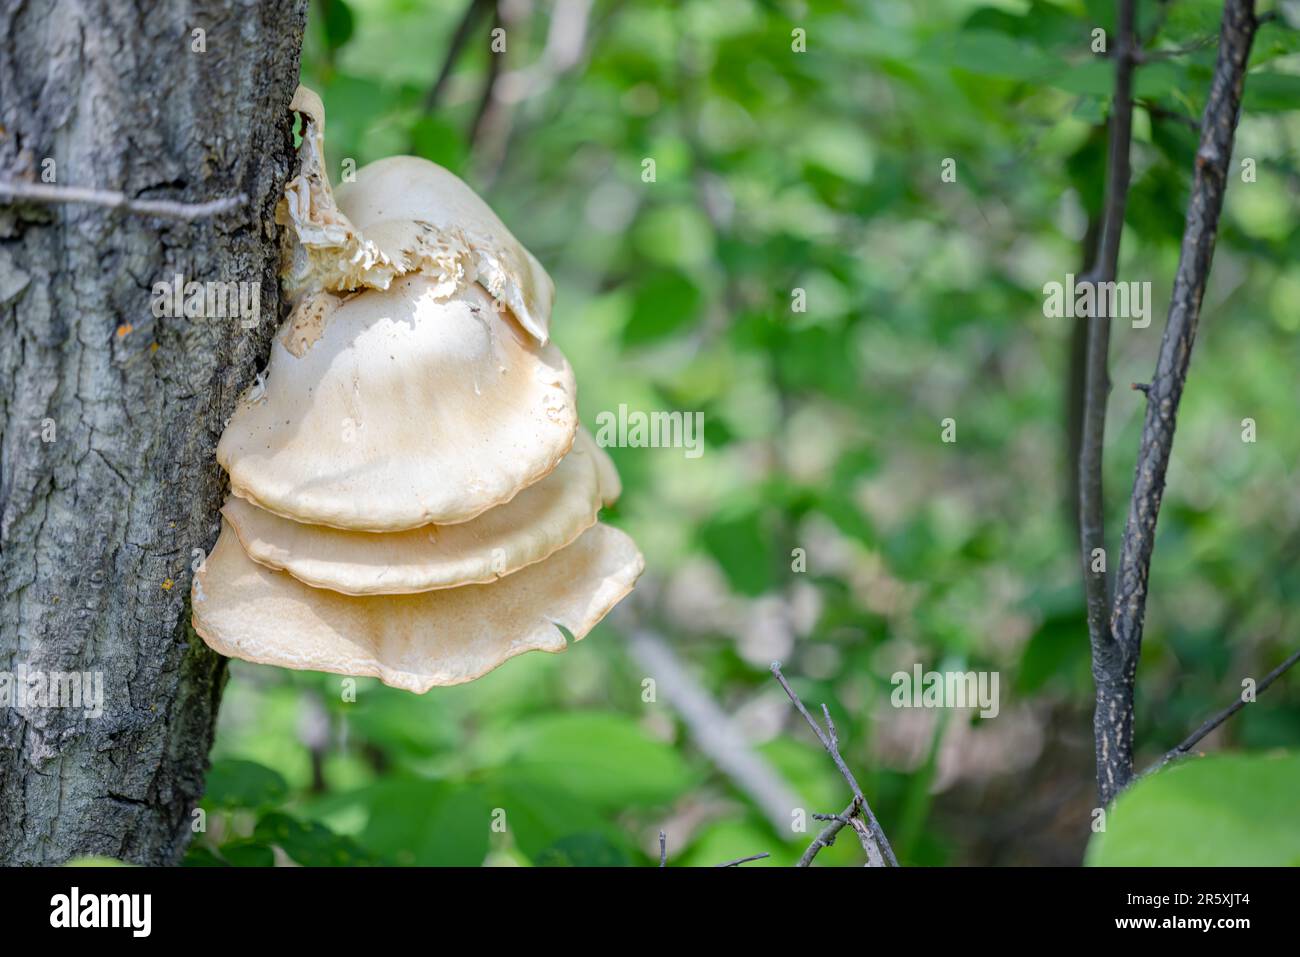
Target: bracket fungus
412	497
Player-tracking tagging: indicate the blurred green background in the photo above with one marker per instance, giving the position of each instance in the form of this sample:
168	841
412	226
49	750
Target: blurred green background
820	171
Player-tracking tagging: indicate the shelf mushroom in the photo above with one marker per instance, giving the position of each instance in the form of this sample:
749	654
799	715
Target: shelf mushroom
393	408
412	497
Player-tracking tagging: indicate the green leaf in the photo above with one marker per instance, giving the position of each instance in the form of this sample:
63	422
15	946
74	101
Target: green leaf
435	139
674	235
428	823
403	727
199	856
248	854
1271	92
821	359
664	302
1057	652
244	784
1228	809
538	812
604	759
990	53
587	849
338	21
309	843
741	544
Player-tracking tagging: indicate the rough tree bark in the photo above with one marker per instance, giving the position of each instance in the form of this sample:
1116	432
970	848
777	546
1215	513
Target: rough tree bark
108	415
1115	624
1209	184
1112	732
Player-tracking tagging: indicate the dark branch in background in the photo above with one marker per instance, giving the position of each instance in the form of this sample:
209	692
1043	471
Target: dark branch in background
1106	665
483	111
744	860
831	742
1210	724
1076	372
1210	179
547	73
111	199
473	11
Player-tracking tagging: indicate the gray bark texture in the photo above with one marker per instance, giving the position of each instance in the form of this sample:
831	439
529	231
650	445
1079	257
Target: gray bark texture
109	416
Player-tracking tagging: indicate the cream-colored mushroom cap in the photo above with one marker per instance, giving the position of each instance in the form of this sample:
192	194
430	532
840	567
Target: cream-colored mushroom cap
391	409
423	217
446	637
535	523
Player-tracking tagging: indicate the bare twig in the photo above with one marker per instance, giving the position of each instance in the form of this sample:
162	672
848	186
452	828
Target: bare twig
663	849
868	845
827	835
830	741
111	199
711	728
1092	507
1193	739
1128	609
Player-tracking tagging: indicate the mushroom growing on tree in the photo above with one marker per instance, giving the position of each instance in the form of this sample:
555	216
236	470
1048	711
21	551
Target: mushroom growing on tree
412	496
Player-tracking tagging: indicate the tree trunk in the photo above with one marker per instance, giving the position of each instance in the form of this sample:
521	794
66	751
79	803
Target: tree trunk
109	414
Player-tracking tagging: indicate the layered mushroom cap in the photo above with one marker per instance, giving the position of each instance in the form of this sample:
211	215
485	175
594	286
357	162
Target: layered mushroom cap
412	498
396	408
445	637
534	524
422	217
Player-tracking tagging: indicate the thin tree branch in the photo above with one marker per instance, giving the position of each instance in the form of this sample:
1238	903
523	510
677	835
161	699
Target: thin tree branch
830	741
663	849
486	99
827	835
1092	506
473	10
1210	179
111	199
868	845
1193	739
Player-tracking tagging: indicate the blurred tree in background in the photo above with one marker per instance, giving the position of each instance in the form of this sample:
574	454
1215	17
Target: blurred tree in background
798	270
